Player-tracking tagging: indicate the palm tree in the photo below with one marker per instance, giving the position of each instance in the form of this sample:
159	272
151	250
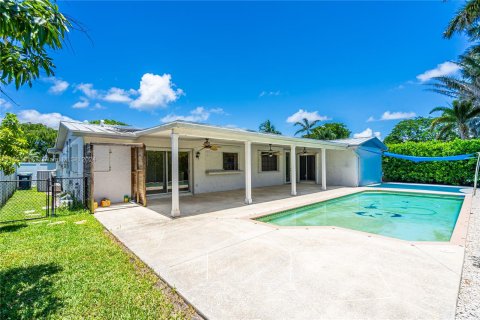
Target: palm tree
466	87
268	127
32	156
305	126
465	20
458	117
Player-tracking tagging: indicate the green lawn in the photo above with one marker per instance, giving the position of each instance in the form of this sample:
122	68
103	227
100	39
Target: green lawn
24	204
72	271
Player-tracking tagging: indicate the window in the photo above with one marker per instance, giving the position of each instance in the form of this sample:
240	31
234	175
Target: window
269	162
230	161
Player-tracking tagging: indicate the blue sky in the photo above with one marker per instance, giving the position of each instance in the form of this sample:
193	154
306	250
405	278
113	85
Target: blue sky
238	64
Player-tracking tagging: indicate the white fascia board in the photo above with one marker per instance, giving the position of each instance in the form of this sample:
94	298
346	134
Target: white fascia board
205	131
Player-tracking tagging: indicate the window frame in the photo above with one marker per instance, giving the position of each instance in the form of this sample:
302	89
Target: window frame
277	163
235	161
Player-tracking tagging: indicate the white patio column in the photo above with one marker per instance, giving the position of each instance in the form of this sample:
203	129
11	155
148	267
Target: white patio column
324	169
318	164
248	172
293	170
175	192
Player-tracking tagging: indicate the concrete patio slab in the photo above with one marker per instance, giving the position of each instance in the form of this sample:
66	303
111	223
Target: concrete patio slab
230	267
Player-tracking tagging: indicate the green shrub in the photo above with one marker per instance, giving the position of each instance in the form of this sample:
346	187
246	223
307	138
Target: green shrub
441	172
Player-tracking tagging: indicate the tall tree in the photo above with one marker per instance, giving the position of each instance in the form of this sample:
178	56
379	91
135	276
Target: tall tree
457	117
28	28
13	145
417	130
330	131
39	137
466	21
305	126
268	127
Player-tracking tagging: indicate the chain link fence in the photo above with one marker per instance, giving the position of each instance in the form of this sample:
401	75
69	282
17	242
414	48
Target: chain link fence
26	199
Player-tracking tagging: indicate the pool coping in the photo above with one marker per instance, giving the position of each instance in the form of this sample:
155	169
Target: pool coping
458	237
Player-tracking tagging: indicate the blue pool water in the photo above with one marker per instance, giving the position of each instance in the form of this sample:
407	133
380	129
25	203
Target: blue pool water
403	215
428	187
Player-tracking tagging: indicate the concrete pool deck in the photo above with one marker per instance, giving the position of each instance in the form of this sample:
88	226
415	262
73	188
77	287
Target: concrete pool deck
231	267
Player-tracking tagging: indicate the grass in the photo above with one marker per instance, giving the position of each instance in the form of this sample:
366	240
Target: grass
24	204
58	268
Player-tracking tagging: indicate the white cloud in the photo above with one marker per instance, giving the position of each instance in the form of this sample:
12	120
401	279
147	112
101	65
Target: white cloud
270	93
88	90
58	86
83	103
367	133
310	116
118	95
155	92
49	119
199	114
387	115
4	105
443	69
98	106
398	115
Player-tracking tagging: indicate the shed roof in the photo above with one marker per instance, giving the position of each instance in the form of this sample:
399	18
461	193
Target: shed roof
356	142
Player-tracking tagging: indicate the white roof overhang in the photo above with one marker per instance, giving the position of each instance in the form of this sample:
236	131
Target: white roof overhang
186	129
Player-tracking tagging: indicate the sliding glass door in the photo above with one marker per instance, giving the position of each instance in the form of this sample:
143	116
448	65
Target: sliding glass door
183	171
307	168
159	171
156	174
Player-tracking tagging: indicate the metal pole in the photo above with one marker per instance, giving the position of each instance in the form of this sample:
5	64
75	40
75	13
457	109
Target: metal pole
47	205
476	175
53	196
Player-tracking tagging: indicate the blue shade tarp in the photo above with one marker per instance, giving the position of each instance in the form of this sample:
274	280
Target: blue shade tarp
427	159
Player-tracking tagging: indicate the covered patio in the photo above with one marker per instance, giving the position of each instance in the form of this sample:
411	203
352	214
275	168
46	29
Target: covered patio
217	201
248	147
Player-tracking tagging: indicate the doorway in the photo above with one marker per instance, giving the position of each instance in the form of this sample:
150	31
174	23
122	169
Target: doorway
159	171
307	168
287	167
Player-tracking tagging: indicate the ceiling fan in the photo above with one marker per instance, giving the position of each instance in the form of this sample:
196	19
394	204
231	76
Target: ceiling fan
304	151
208	145
271	152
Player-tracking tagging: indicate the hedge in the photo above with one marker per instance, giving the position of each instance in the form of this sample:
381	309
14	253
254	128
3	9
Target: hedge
441	172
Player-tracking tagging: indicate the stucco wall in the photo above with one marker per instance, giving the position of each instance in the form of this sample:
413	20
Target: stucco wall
112	172
213	160
71	158
342	168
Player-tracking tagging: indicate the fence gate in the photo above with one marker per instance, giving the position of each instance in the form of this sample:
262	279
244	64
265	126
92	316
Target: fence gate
26	199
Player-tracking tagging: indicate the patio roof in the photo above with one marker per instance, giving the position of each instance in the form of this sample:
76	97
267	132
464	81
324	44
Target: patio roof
190	129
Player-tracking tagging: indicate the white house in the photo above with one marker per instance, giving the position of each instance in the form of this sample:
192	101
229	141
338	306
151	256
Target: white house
196	158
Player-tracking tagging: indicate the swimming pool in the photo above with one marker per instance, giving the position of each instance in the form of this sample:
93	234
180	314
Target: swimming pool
403	215
428	187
